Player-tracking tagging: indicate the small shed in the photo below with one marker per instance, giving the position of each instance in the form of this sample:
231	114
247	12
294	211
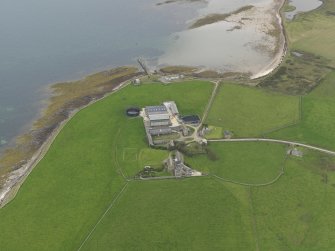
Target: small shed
227	134
136	81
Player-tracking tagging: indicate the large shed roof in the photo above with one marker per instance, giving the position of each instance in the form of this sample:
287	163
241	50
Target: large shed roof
159	131
154	117
156	109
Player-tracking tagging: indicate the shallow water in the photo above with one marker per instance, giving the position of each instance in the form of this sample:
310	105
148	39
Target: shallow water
220	46
46	41
215	51
302	6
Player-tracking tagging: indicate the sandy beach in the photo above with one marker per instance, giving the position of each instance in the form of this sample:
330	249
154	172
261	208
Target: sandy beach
281	42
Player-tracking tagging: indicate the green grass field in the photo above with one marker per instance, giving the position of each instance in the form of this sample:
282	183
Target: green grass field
318	117
312	35
72	186
245	162
60	205
294	213
248	111
191	214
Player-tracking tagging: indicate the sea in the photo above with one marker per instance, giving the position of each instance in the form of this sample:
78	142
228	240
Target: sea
47	41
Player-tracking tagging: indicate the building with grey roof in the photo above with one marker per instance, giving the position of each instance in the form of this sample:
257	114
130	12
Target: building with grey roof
172	107
161	120
160	131
157	109
158	115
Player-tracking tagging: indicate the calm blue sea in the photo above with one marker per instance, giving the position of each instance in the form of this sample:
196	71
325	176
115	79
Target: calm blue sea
46	41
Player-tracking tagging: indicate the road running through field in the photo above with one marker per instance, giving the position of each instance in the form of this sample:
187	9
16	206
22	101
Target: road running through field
276	141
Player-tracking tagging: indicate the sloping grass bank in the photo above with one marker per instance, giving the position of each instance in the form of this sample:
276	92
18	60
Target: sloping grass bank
73	185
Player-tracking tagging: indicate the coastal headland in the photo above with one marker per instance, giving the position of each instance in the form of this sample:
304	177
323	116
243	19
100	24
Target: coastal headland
261	195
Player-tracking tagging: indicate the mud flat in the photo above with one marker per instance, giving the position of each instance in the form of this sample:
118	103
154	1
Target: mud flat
248	39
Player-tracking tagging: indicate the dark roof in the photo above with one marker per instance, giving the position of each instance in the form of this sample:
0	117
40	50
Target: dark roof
191	119
133	111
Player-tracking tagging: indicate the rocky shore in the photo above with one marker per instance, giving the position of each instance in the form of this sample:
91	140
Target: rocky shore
68	98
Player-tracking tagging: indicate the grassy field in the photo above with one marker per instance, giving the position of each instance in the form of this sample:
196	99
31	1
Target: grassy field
248	111
72	186
294	213
314	32
68	192
318	117
312	36
246	162
214	132
67	97
191	214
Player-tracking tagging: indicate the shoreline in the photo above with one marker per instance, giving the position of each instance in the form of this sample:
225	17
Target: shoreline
16	178
281	54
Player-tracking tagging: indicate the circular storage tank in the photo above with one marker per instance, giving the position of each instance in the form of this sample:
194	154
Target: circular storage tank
133	112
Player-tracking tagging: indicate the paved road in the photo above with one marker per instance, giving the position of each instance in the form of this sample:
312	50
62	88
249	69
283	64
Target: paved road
275	141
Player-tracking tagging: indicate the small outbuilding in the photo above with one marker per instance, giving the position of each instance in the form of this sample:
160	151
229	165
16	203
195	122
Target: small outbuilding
136	81
191	120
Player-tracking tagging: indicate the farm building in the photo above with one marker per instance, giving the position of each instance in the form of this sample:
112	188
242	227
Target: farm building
160	131
191	119
136	81
172	107
158	115
163	123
